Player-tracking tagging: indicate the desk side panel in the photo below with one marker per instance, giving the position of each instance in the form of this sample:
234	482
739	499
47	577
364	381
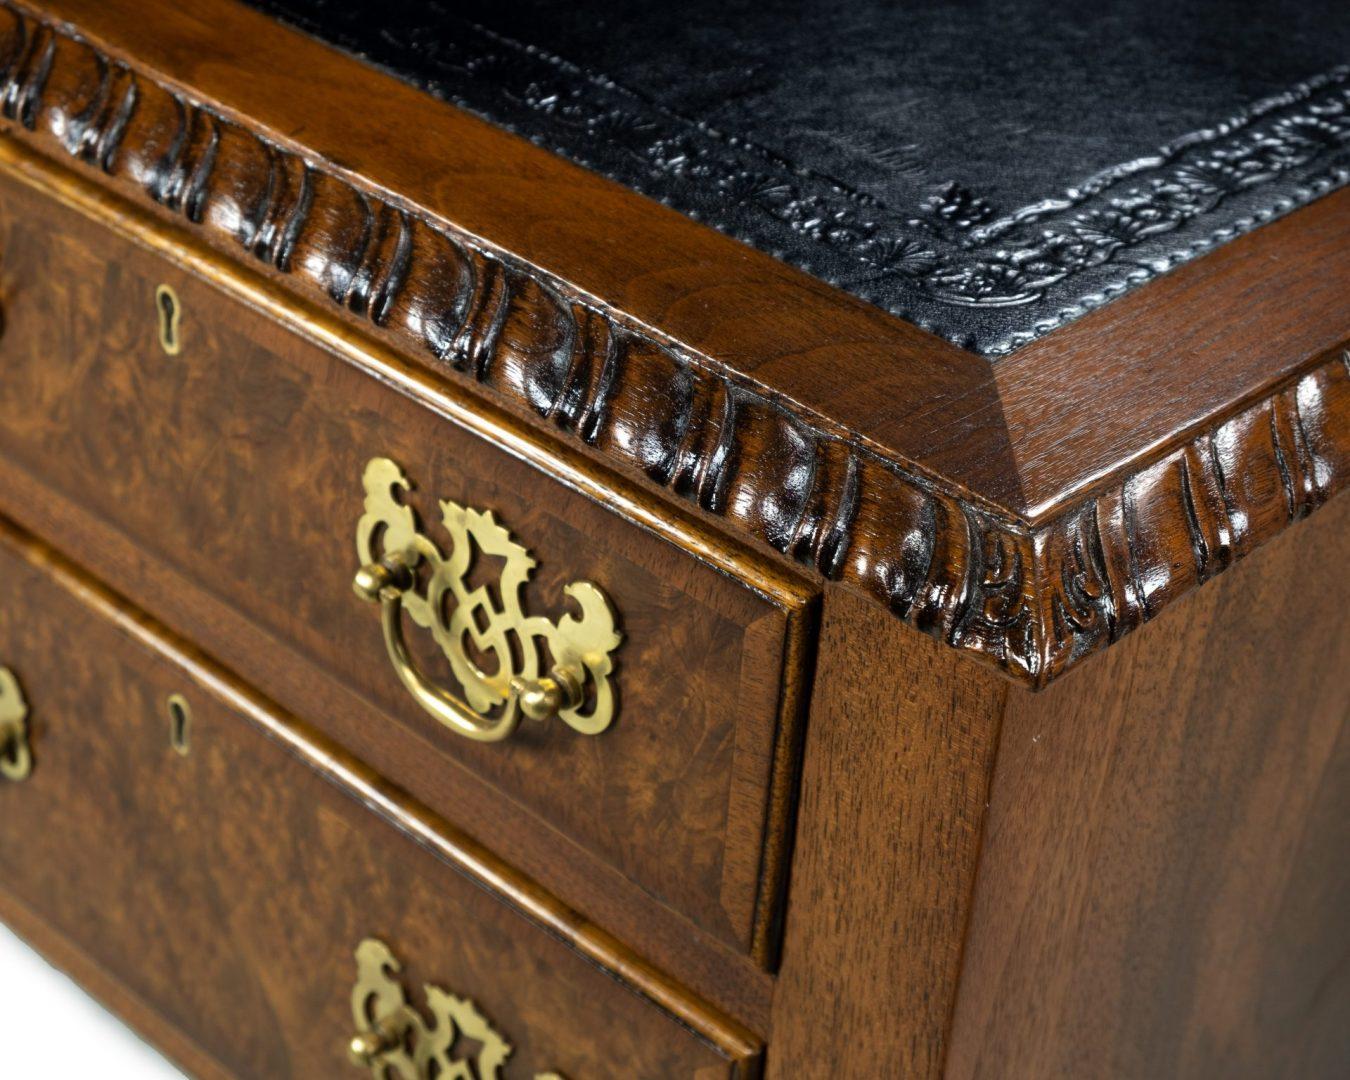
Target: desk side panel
1164	884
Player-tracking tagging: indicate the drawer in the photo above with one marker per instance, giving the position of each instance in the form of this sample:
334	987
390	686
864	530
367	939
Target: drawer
211	857
243	456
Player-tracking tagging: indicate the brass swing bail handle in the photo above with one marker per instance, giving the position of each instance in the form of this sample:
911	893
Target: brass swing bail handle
16	759
367	1049
541	699
16	755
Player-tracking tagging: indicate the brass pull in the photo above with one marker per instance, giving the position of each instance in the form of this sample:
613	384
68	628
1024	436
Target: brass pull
577	688
372	1047
387	582
393	1039
16	756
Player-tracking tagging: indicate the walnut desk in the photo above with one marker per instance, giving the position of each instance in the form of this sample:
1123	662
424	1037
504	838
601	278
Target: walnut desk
661	541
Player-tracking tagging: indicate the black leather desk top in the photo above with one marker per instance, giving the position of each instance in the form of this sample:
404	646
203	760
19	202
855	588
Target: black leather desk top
986	170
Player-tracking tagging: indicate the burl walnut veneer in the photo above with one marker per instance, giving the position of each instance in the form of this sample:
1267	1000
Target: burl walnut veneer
463	618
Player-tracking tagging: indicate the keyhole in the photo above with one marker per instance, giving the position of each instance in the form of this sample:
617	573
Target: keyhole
180	724
170	311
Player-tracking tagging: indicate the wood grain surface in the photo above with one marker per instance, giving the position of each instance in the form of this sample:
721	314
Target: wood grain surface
838	437
1104	397
717	973
1139	873
227	889
239	462
1165	885
899	755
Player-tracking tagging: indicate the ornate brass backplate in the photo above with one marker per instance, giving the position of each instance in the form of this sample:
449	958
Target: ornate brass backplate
393	1040
577	688
16	756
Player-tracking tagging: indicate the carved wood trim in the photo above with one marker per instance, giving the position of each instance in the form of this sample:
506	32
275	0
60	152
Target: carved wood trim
1111	563
1031	600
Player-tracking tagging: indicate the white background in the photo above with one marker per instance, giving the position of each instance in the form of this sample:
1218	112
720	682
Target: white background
51	1029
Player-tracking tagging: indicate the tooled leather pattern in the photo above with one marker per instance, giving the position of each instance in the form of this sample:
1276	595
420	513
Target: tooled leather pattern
1032	600
984	172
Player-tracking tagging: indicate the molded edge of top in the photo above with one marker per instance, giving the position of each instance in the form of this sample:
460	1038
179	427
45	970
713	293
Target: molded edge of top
1031	598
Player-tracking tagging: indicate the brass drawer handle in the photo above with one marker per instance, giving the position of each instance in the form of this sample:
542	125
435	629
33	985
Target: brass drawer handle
379	1045
16	756
392	1038
576	688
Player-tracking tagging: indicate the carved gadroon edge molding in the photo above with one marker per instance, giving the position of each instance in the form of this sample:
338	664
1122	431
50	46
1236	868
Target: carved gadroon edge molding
1032	601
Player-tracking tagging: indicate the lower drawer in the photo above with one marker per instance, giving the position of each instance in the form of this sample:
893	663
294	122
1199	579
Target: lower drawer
215	861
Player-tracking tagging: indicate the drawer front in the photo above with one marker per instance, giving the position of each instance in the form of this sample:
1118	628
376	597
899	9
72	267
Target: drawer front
233	886
239	454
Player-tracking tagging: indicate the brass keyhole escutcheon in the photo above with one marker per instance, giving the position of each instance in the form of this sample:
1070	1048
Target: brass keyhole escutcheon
169	312
180	724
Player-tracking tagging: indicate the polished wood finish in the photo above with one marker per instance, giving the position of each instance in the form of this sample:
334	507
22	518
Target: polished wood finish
1100	399
719	975
1138	873
844	554
141	1016
893	800
179	873
967	545
1164	884
259	502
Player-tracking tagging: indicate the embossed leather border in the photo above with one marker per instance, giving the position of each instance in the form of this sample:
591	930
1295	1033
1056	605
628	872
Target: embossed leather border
1032	601
987	278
